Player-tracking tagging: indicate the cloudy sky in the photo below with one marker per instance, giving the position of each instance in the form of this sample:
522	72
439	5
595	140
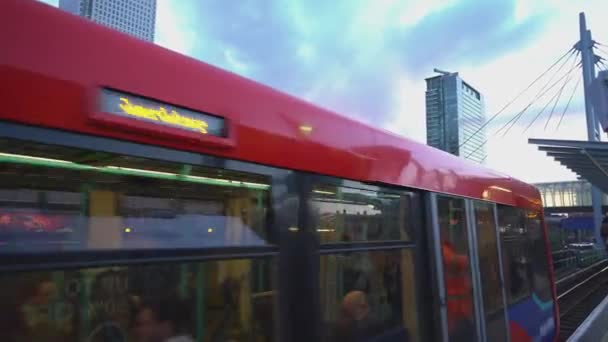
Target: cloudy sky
367	59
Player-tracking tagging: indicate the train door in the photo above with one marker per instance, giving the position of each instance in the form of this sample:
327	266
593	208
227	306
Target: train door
485	234
471	295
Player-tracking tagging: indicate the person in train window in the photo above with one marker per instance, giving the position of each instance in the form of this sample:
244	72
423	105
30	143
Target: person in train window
162	321
458	291
356	324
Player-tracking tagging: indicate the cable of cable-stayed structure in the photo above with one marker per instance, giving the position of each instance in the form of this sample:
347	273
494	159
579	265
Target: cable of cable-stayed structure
538	95
600	62
511	123
477	148
567	54
600	48
561	90
555	97
514	120
569	100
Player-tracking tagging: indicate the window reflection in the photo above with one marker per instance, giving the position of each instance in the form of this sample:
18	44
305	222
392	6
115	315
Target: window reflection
489	268
515	253
210	301
56	199
456	269
349	215
525	254
541	283
367	295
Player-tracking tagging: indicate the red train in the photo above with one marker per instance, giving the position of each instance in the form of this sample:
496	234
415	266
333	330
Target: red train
185	200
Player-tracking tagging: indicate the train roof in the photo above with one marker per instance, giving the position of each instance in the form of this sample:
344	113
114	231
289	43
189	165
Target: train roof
52	63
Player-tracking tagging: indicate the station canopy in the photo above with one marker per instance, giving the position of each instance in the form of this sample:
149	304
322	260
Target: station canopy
588	159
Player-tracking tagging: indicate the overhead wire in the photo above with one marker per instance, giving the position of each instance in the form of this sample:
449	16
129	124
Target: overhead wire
485	124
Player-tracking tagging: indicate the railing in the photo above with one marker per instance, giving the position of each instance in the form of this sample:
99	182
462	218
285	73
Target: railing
588	257
567	261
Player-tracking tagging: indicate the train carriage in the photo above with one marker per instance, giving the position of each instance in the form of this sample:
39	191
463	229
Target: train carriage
144	193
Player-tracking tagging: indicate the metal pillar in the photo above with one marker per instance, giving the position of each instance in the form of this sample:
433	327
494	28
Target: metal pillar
585	46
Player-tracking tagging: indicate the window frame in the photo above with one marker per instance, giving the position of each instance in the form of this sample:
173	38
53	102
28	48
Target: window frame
501	280
98	258
415	220
53	261
297	301
417	243
530	290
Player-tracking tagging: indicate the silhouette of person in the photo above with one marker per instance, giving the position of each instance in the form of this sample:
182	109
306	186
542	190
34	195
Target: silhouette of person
355	324
161	321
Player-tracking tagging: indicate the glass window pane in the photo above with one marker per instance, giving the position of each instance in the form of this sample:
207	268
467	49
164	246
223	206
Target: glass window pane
209	301
489	268
347	215
369	295
515	253
456	268
63	199
541	283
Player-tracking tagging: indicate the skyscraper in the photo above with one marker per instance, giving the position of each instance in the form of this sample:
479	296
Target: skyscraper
454	112
134	17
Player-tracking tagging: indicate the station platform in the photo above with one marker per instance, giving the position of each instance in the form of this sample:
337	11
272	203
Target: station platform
595	327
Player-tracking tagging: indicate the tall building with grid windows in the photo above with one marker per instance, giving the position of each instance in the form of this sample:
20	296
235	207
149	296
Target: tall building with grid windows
134	17
454	112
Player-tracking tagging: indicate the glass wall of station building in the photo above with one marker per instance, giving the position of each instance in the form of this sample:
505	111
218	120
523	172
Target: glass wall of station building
567	194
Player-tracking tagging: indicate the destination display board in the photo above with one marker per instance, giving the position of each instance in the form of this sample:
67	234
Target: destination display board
155	112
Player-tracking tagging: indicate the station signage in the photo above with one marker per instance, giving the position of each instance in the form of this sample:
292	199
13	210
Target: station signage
158	113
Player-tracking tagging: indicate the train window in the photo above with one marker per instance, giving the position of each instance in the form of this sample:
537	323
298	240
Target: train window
57	199
206	301
513	238
369	295
489	268
541	283
346	214
456	268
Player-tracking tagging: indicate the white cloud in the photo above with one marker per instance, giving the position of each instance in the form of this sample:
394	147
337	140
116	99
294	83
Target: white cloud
306	51
415	11
174	28
408	104
51	2
503	78
499	78
235	63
